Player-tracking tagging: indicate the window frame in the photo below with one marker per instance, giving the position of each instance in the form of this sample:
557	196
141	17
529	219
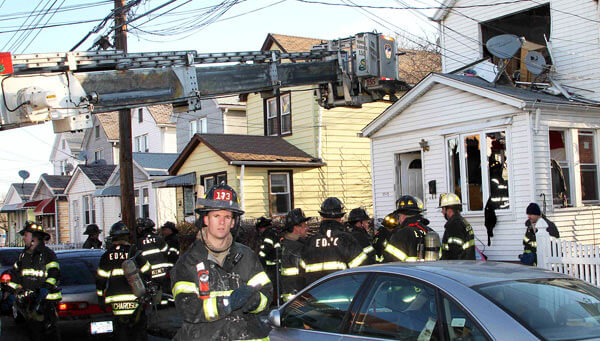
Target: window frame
485	174
191	194
98	155
214	176
89	210
97	131
145	202
140	115
290	182
278	117
139	140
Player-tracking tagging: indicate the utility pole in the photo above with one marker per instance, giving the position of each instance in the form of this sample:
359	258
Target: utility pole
125	155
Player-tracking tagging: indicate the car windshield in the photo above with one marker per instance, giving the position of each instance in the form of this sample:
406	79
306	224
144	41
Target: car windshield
553	308
9	257
78	271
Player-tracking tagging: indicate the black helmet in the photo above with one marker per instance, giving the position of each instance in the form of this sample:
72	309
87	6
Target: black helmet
170	225
332	207
407	204
390	221
140	223
263	222
293	218
219	197
357	214
119	229
149	224
35	229
92	229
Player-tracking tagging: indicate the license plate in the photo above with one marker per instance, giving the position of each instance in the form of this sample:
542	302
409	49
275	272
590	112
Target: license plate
101	327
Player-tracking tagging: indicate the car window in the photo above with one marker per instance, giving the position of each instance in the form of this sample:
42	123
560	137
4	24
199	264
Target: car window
553	308
9	257
458	325
324	306
76	272
398	308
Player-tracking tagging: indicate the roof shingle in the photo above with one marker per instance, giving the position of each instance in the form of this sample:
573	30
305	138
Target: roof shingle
24	190
98	174
155	163
161	113
290	43
57	183
110	124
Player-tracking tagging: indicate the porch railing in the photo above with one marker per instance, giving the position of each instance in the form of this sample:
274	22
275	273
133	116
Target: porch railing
570	258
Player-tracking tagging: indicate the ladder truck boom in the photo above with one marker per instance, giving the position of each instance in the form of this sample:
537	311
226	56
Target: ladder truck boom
67	88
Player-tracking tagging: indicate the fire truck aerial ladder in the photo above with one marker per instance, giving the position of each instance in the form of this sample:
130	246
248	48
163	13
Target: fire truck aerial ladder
67	88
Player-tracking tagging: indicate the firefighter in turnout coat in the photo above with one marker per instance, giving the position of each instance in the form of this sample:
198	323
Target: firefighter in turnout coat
333	248
113	289
155	250
358	221
458	241
35	281
219	285
292	243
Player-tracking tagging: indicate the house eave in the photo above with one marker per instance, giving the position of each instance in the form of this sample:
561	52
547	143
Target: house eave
570	108
277	164
443	11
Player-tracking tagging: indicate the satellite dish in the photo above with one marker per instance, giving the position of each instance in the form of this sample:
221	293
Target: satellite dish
68	168
504	46
535	62
24	174
83	155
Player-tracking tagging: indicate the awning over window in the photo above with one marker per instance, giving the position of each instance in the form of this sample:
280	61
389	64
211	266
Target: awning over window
46	207
112	191
32	204
188	179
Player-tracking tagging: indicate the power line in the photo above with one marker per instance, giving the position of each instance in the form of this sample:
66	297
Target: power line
19	29
20	15
39	17
70	23
410	7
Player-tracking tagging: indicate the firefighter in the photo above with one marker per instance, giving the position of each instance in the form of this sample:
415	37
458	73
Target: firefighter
92	241
292	243
35	281
112	287
219	285
268	244
358	220
333	248
155	250
383	235
535	227
407	241
458	241
169	232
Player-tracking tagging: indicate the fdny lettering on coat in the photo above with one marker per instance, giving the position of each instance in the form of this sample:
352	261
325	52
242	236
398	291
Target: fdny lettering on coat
326	242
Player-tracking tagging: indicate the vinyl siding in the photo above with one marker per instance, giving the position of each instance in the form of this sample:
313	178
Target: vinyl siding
235	122
62	208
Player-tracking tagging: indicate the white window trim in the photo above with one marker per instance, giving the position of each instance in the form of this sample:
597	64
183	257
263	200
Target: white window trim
276	117
485	175
288	185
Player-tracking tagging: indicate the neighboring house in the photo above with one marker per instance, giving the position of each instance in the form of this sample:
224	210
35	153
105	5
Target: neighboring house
53	209
223	115
84	208
16	210
151	131
65	152
298	154
499	143
158	204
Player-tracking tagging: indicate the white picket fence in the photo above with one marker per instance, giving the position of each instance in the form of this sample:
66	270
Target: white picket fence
570	258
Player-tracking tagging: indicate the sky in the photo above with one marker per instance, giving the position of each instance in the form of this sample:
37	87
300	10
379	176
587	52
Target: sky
243	26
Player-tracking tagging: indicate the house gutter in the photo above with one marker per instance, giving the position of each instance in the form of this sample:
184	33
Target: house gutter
242	171
276	164
575	108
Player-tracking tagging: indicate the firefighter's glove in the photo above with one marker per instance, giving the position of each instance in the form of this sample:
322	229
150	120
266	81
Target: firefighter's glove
241	296
252	303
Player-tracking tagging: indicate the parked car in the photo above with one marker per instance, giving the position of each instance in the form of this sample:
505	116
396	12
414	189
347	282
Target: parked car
458	300
8	257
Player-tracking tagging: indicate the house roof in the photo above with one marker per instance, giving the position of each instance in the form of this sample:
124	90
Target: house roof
155	163
24	190
98	174
445	8
289	43
247	149
56	183
517	97
161	113
231	101
110	124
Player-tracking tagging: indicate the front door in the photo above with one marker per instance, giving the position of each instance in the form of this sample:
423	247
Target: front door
409	176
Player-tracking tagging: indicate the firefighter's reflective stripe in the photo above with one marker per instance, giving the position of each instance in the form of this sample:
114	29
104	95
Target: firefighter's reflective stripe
534	244
287	297
378	259
358	260
161	265
102	273
368	249
146	267
51	280
268	262
16	266
262	305
302	264
290	271
260	279
326	266
13	285
165	248
33	272
277	245
412	259
395	252
54	296
525	240
220	293
446	247
184	287
117	272
150	252
268	240
528	251
99	293
211	311
455	240
121	298
52	265
123	312
468	244
262	254
174	250
263	339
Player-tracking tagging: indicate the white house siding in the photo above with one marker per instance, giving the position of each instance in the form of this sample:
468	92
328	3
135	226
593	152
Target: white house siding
429	117
60	154
575	37
80	187
169	140
166	201
111	213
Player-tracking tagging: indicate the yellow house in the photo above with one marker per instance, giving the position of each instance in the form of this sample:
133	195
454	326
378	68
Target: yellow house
297	153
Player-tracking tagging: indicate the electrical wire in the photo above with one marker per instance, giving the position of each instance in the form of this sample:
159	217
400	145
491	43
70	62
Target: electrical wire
20	27
32	26
411	7
39	31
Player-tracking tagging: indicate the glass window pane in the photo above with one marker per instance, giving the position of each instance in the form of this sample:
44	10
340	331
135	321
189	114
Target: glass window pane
203	125
458	325
560	168
400	309
272	107
558	151
136	195
222	178
586	147
286	123
188	201
498	169
589	182
473	172
279	183
145	195
193	128
280	203
454	166
285	104
272	127
323	307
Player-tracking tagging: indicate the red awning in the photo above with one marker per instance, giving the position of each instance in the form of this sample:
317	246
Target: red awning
45	207
32	204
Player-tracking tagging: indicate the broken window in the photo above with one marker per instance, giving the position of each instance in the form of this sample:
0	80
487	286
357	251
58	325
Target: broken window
559	162
497	168
454	166
587	162
532	24
473	169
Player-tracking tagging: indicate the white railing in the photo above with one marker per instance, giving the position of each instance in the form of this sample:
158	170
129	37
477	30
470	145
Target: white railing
67	246
570	258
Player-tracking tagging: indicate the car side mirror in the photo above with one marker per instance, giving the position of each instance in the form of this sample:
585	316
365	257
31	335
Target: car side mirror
275	318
